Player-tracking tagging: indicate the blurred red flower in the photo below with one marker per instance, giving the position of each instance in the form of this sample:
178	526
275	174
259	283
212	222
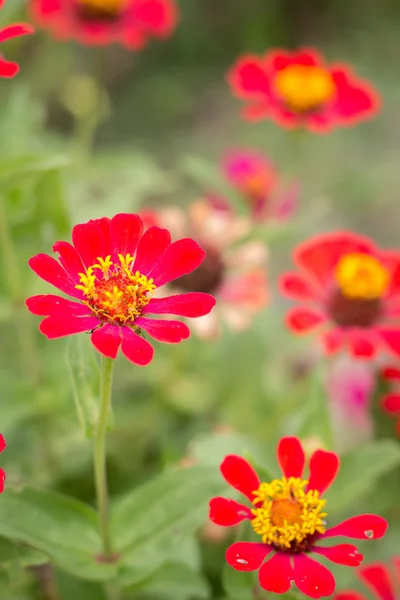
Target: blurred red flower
258	181
377	577
391	401
234	272
352	291
100	22
299	90
112	269
289	516
8	68
2	474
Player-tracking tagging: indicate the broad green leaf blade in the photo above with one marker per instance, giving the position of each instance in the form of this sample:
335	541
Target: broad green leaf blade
51	202
63	528
314	416
15	171
14	553
359	471
175	582
152	523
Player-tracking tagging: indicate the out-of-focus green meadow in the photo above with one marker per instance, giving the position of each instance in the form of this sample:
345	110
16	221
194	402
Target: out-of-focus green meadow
167	118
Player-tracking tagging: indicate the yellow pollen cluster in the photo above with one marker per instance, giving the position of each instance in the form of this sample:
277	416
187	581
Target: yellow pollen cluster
362	277
114	293
103	7
289	514
304	87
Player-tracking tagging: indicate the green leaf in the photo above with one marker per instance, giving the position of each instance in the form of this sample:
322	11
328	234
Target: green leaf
84	376
314	416
62	528
51	202
14	553
173	581
359	471
152	523
15	171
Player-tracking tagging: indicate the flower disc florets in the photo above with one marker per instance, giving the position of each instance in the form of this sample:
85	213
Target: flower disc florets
114	293
305	87
288	514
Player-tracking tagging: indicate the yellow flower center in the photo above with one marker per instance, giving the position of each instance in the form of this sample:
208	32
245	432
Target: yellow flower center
259	184
288	514
114	293
362	277
304	87
101	9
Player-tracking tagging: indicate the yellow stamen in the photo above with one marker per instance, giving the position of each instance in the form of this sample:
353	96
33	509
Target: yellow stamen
304	87
362	277
114	293
288	514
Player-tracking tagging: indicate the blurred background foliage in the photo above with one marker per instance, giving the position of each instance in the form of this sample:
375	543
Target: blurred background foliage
166	117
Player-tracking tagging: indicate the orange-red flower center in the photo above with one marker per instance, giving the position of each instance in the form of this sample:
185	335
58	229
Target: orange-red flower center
304	88
207	277
286	514
101	9
259	184
362	277
113	292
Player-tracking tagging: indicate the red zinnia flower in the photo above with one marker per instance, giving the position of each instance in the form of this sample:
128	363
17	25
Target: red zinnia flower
353	288
112	270
7	68
289	516
377	577
100	22
2	474
257	180
391	401
299	89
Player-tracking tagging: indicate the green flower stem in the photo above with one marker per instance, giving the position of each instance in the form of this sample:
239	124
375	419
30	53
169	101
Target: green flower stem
16	289
107	365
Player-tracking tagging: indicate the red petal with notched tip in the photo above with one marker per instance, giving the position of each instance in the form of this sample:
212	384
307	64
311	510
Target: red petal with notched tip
240	475
69	259
191	304
52	305
180	258
228	512
51	271
323	470
60	326
247	556
88	239
150	249
107	340
170	332
276	574
136	348
377	577
342	554
363	527
291	457
126	230
312	578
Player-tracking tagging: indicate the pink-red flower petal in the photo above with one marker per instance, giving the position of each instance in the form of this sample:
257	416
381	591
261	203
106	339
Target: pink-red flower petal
136	348
180	258
107	340
2	480
302	319
291	457
51	271
324	467
69	259
361	344
89	241
59	326
126	230
49	304
276	575
312	578
240	475
296	287
248	78
362	527
3	444
191	304
150	249
342	554
171	332
391	403
376	577
247	556
228	512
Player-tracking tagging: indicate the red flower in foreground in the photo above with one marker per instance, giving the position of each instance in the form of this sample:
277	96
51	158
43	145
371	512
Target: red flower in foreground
112	270
8	68
289	515
391	401
352	291
2	474
257	180
299	90
100	22
377	577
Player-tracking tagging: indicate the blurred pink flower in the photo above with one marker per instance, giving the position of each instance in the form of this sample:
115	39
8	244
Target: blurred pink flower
258	181
234	271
